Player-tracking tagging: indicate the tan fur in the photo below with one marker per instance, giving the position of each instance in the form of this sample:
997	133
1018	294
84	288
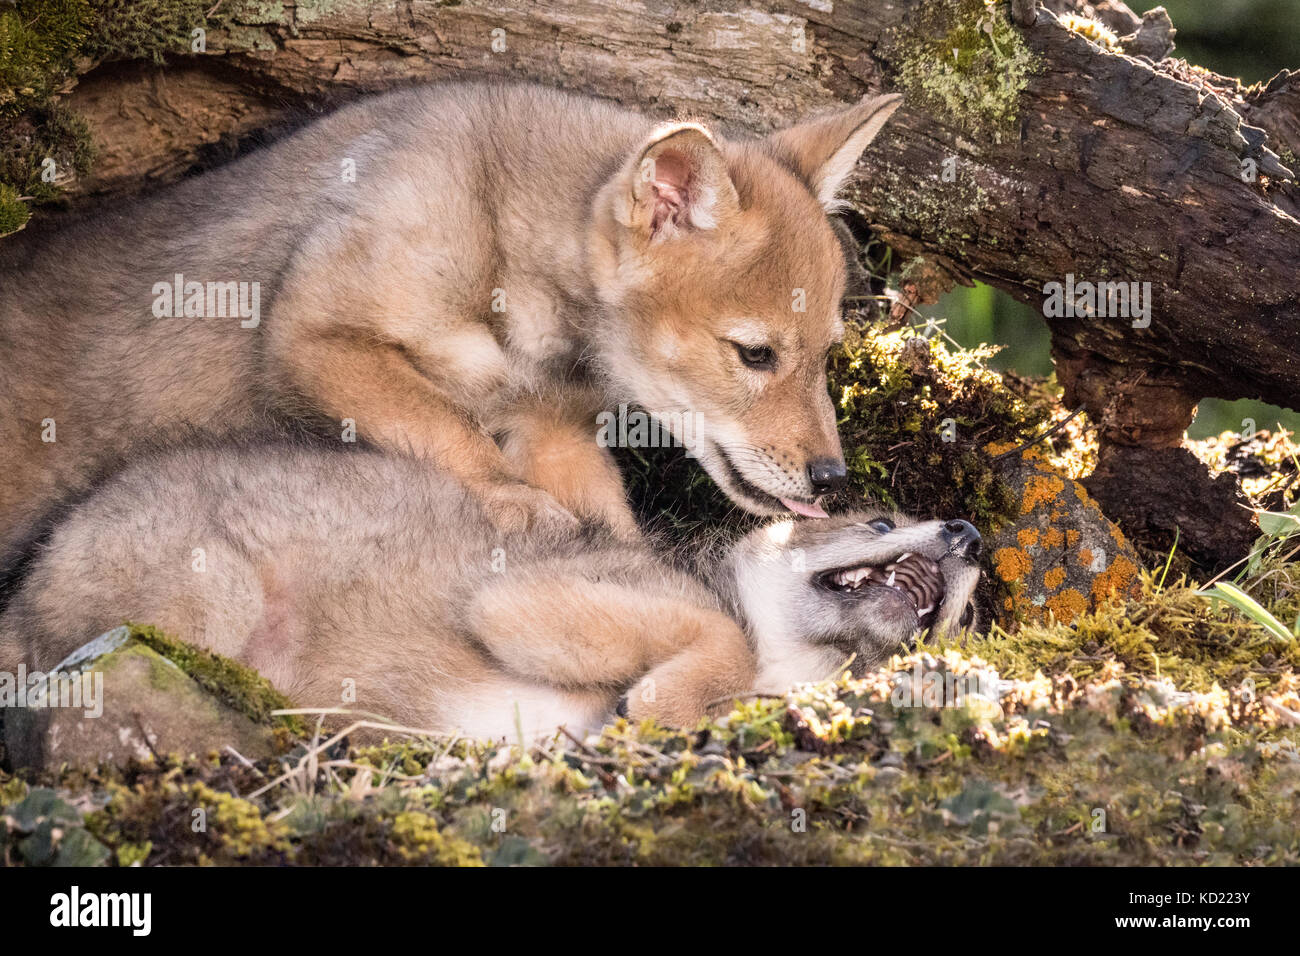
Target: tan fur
500	244
585	633
548	442
320	567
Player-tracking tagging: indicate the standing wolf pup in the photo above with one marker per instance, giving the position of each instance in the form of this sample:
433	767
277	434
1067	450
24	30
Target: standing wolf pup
466	273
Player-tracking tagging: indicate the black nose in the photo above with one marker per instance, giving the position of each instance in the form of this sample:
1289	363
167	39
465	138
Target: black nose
827	475
962	539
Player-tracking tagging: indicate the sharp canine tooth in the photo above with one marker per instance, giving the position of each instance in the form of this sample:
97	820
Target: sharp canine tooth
904	556
890	581
924	611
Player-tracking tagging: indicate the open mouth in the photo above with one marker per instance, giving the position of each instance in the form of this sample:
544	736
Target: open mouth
916	578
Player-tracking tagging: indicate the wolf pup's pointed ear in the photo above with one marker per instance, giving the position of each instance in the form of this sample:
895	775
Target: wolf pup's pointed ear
677	183
823	151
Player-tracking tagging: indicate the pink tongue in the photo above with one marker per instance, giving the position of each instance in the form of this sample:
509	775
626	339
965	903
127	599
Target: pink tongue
808	511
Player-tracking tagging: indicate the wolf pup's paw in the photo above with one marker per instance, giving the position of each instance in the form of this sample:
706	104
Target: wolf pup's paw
520	507
616	516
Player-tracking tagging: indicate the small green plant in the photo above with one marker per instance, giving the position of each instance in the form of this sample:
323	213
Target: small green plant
1278	543
1231	594
13	210
42	829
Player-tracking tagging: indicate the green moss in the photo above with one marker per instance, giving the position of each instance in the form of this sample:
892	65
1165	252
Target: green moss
39	40
915	417
240	687
142	29
14	213
419	840
51	133
964	59
1170	632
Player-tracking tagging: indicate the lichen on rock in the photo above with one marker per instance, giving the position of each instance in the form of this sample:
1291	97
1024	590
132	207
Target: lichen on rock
966	60
1060	556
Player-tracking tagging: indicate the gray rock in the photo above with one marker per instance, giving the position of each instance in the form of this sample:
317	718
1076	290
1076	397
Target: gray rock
117	698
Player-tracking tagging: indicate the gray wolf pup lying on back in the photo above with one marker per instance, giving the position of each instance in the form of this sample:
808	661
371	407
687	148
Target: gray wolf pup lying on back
319	566
465	273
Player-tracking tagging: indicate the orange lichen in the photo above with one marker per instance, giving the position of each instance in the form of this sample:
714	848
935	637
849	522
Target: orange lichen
1039	490
1118	579
1053	538
1071	537
1085	557
1027	537
1011	564
1067	605
1054	578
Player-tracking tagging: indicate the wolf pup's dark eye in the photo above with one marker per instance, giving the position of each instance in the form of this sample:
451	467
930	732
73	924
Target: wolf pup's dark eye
883	525
756	356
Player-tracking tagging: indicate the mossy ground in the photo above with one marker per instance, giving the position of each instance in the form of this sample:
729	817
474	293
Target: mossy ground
1111	768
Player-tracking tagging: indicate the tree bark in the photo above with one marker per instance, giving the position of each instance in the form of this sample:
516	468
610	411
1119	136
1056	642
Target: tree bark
1108	165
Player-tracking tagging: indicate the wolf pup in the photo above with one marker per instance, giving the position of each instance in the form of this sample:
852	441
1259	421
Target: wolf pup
317	566
464	273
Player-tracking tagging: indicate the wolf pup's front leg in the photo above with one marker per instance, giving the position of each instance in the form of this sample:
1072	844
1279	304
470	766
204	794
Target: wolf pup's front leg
395	406
551	440
408	380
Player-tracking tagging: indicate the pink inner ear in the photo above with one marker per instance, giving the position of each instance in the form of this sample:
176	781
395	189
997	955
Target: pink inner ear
672	176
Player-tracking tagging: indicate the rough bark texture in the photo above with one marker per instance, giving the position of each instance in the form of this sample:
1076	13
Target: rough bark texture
1034	154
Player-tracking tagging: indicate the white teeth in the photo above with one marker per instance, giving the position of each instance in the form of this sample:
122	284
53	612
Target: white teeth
903	557
851	576
889	582
924	611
